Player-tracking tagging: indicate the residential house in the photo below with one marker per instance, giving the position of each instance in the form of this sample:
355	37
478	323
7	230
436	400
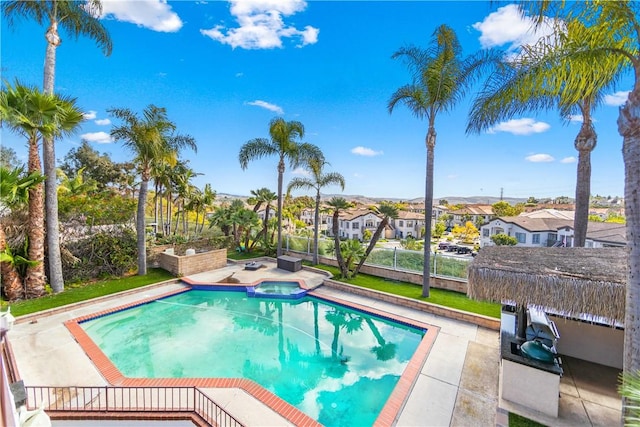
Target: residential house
545	232
354	222
438	210
408	224
476	213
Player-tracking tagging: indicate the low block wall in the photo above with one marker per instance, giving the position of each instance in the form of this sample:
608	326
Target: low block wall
402	276
476	319
193	264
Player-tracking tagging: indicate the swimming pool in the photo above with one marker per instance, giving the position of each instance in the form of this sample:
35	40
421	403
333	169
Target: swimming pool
336	364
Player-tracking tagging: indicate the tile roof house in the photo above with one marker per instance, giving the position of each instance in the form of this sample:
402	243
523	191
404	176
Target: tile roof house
354	222
545	232
408	224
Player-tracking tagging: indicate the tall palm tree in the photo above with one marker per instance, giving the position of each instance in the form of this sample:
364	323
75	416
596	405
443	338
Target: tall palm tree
440	77
338	205
528	83
387	210
149	138
35	115
284	145
15	185
317	181
77	18
612	30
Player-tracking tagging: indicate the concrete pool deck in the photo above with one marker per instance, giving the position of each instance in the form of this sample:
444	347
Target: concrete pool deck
457	385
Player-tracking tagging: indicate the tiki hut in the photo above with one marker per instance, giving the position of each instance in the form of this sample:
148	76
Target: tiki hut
569	281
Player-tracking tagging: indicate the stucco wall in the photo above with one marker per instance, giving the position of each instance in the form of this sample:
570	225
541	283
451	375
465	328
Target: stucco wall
192	264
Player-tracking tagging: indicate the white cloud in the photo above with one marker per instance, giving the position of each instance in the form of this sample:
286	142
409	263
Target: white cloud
507	26
524	126
617	99
452	176
364	151
261	25
152	14
569	159
89	115
263	104
576	118
301	172
99	137
539	158
103	122
239	74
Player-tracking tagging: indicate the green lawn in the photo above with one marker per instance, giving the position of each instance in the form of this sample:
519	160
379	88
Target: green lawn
89	291
437	296
516	420
79	293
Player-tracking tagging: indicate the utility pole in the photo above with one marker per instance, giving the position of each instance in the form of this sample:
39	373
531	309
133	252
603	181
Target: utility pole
501	192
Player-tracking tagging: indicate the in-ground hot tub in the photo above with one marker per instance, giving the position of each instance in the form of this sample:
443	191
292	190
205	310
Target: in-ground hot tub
277	289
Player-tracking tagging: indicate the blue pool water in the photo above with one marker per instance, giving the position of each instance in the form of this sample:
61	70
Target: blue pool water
336	364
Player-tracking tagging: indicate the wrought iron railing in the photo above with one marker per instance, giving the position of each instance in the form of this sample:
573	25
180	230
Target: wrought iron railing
129	399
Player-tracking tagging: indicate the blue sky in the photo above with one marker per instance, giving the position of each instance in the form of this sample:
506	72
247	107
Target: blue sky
223	70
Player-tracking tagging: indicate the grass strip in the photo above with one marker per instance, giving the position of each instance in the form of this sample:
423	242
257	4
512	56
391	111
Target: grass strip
88	291
442	297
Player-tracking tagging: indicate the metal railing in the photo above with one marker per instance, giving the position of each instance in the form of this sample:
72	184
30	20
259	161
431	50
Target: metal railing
129	399
441	264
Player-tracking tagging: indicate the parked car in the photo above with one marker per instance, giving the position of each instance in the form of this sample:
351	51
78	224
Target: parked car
452	248
464	250
444	245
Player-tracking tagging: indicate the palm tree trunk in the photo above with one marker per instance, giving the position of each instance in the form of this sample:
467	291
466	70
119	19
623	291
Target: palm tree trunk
280	178
585	143
430	141
336	240
161	209
35	277
140	228
372	244
49	159
628	127
11	282
315	229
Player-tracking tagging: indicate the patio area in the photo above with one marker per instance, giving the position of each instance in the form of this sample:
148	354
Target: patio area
456	386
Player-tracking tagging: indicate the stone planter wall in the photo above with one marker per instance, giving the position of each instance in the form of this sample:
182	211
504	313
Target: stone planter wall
192	264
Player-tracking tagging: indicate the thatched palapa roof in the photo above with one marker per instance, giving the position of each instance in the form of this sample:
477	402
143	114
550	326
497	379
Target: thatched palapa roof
573	281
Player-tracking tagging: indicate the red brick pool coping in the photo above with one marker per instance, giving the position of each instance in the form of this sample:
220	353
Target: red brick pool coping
388	415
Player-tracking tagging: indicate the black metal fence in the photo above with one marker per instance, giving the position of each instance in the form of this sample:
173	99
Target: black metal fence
129	399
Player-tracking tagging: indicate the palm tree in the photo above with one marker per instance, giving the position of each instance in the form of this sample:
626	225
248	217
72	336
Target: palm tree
387	210
352	251
612	32
259	197
36	115
338	205
77	18
283	144
15	185
317	181
440	77
528	84
208	197
149	138
77	185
